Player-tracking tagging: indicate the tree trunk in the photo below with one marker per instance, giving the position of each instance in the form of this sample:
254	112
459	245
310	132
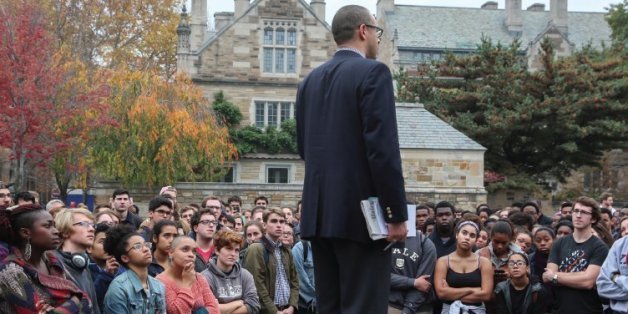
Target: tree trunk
63	182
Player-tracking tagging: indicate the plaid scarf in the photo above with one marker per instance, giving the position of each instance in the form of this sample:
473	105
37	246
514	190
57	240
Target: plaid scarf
22	287
282	287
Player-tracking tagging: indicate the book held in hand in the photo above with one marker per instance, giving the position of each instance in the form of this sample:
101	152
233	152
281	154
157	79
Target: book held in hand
375	223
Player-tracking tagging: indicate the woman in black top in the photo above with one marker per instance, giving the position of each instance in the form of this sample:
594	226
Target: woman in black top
463	280
521	293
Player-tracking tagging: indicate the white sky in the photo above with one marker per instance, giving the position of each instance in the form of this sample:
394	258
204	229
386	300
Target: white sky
334	5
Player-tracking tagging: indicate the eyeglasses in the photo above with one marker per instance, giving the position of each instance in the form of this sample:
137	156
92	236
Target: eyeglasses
164	212
207	222
84	224
213	207
577	211
517	263
3	195
139	246
280	221
378	30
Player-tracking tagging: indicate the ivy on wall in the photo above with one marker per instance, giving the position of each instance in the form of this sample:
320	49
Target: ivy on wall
252	139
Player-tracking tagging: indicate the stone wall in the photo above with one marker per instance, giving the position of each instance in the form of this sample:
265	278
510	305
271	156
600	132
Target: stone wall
244	95
443	168
194	192
253	170
429	176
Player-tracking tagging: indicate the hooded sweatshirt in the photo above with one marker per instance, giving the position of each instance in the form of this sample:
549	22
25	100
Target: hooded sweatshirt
414	258
616	263
235	285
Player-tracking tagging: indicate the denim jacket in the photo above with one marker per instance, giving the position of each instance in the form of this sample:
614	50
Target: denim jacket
126	295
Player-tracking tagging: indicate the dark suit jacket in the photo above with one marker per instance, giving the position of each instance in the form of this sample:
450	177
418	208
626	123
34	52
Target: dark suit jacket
347	135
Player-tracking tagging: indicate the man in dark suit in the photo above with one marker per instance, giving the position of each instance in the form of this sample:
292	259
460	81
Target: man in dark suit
347	135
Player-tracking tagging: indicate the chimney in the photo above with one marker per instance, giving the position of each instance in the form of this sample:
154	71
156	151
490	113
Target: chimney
221	19
240	7
384	6
537	7
198	24
489	5
514	21
318	6
558	13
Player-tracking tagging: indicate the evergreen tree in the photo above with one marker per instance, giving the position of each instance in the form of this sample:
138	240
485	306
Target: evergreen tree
535	125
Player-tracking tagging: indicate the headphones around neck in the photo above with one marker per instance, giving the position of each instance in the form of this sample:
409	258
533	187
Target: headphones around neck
79	260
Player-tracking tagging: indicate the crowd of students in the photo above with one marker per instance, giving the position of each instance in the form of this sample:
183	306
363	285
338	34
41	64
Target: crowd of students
219	257
514	260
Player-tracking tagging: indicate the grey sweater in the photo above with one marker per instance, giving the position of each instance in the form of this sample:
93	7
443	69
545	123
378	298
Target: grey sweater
81	277
414	258
236	285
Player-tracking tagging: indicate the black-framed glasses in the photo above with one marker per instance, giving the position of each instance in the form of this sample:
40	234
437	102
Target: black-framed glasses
84	224
512	264
378	30
3	195
139	246
207	222
577	211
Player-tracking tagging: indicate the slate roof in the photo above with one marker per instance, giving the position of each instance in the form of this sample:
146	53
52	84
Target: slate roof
420	129
462	28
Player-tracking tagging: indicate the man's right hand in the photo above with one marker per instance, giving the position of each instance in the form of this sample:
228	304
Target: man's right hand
422	283
397	232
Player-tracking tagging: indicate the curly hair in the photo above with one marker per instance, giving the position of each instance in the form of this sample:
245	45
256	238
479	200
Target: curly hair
117	240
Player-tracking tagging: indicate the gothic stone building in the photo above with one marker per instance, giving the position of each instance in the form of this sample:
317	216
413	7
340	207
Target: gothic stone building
258	54
417	35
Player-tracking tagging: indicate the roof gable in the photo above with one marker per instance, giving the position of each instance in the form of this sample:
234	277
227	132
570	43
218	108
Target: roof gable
420	129
271	9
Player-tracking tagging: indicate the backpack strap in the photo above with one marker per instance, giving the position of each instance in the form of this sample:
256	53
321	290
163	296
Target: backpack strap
306	249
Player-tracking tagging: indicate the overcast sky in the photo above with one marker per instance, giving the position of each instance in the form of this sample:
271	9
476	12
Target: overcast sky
334	5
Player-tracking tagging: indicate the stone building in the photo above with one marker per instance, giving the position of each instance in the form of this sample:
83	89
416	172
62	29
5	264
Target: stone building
416	35
419	34
257	55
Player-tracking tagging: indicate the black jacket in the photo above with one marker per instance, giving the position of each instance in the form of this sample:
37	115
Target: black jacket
534	300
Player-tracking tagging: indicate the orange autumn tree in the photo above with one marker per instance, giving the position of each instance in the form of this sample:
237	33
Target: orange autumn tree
84	89
165	132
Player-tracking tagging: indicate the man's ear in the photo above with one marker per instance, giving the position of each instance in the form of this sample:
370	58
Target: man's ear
125	259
